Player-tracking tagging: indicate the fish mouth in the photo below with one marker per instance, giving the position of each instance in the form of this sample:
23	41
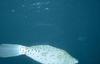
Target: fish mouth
76	61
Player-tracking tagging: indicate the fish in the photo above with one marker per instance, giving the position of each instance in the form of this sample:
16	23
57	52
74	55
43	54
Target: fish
44	54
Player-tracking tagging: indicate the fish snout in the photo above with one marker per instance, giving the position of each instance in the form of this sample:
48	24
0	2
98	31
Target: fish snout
76	61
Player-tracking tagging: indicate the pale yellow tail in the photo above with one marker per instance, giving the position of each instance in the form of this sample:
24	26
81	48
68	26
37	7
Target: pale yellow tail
10	50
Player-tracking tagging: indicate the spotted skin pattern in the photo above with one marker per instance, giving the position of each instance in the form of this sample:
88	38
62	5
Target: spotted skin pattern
47	54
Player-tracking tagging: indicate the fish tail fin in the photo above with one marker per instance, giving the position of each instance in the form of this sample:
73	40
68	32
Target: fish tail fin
10	50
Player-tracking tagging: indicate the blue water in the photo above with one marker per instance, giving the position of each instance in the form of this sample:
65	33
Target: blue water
72	25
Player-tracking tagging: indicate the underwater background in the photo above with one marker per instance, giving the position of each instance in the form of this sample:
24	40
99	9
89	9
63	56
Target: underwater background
72	25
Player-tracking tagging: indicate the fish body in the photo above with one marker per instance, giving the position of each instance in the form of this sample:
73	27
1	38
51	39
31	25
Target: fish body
46	54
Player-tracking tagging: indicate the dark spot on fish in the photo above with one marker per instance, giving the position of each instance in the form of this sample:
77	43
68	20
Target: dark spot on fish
44	54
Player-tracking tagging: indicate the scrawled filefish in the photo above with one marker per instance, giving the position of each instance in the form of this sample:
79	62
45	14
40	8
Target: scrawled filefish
44	54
